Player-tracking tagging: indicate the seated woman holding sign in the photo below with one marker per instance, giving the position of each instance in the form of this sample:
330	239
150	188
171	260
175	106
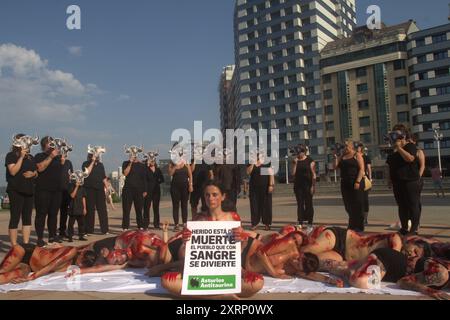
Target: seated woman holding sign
172	281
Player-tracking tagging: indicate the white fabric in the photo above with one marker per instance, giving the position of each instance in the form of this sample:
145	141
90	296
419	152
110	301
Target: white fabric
135	281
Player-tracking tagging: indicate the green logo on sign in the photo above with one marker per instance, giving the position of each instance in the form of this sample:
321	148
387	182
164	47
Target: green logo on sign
212	282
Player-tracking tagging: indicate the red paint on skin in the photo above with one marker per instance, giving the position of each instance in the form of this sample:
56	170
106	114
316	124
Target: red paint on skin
352	263
170	276
11	254
372	240
432	268
315	234
275	242
252	277
328	236
235	216
363	271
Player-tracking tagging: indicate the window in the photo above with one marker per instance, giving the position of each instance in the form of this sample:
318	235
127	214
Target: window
253	87
329	110
292	65
278	82
440	38
309	76
262	58
281	123
403	117
279	95
280	109
428	144
278	68
264	71
254	99
276	28
331	141
292	78
424	93
326	79
309	63
312	120
277	54
420	42
364	122
310	91
363	104
329	125
294	121
362	88
328	94
290	51
275	15
443	90
361	72
306	35
399	64
400	82
440	55
366	138
442	72
402	99
444	125
264	84
307	49
290	37
306	21
295	135
293	93
312	134
423	76
443	107
265	97
294	107
287	12
310	105
254	113
304	8
422	59
426	110
314	149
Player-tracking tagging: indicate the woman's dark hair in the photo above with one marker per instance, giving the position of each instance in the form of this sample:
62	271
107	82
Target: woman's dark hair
14	149
89	259
214	183
427	251
44	142
310	262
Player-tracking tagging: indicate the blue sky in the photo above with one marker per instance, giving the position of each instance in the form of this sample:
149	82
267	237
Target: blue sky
136	71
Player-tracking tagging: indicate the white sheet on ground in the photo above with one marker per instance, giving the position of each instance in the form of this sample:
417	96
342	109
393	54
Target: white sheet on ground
135	281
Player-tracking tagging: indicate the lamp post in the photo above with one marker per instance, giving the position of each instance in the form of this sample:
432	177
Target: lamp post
438	136
287	169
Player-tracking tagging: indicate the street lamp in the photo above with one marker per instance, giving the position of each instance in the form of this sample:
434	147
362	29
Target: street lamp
438	136
287	169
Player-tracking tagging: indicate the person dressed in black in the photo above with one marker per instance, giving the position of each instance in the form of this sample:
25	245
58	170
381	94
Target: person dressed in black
368	173
134	191
200	177
304	172
77	207
94	186
65	196
229	176
48	191
405	178
154	180
20	174
261	189
180	187
351	164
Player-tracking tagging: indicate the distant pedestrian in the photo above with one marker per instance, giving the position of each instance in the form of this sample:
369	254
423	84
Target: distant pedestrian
436	176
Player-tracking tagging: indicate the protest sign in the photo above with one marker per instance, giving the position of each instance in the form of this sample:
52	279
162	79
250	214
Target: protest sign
213	259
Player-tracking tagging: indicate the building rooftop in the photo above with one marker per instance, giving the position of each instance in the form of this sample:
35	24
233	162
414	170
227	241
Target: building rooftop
363	35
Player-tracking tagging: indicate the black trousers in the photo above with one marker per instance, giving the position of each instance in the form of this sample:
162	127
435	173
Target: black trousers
231	198
80	223
47	207
353	202
153	198
132	196
305	209
96	199
180	198
260	205
65	203
407	196
21	207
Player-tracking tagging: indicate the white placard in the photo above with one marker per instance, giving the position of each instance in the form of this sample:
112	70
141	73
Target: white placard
213	259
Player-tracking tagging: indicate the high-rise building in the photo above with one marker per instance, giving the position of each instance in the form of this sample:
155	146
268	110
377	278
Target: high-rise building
365	87
226	99
429	67
277	45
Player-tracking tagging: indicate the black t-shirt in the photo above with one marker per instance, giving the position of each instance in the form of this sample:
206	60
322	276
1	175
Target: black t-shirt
180	178
303	174
96	177
258	180
50	178
401	170
200	175
76	207
349	171
225	174
18	182
154	179
65	177
138	176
